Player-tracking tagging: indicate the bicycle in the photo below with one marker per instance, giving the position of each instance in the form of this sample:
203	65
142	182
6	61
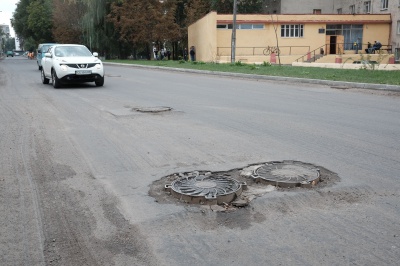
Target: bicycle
271	50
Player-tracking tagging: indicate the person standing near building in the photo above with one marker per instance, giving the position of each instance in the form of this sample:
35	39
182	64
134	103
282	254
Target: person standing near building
185	54
192	54
368	48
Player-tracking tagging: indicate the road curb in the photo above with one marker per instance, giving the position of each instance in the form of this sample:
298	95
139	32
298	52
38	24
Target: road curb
341	84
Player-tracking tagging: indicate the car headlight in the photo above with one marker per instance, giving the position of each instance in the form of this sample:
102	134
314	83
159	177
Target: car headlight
63	67
98	66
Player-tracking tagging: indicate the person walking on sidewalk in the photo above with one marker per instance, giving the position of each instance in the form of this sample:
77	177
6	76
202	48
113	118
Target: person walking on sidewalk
192	54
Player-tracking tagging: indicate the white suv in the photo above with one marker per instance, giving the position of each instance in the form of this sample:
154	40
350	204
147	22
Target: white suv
71	63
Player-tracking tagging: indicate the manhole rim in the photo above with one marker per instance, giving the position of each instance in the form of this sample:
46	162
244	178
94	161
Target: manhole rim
206	199
284	183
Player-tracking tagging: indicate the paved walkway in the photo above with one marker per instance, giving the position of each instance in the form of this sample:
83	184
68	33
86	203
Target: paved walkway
343	84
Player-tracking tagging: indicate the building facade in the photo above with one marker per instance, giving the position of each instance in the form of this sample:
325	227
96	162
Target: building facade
5	30
391	7
297	35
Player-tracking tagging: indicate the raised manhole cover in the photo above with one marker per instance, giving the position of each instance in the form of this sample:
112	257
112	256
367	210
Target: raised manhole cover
156	109
205	189
287	174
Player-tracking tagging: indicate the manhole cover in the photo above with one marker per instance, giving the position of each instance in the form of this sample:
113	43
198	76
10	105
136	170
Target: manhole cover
156	109
205	189
287	174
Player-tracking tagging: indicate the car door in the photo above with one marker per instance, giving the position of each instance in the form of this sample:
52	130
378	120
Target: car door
47	63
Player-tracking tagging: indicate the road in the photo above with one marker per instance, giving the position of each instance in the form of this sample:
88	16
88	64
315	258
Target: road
78	166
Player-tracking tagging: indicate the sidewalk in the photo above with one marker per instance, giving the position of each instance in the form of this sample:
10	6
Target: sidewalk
343	84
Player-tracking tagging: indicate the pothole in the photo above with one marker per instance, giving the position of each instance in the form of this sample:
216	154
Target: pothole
155	109
238	187
205	188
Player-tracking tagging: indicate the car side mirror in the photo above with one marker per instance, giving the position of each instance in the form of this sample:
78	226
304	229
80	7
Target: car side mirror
47	55
95	54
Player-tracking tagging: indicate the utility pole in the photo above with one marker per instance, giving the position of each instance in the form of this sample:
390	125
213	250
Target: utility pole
233	47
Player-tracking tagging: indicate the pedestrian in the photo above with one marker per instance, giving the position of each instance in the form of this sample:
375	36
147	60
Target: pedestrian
162	53
377	46
192	54
168	54
185	54
369	45
155	52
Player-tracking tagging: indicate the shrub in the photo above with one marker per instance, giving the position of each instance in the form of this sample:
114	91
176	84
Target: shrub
239	63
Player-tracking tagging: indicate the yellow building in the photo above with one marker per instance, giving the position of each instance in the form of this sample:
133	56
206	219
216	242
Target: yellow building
296	35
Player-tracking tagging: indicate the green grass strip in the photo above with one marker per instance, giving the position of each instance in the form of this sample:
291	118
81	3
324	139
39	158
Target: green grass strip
351	75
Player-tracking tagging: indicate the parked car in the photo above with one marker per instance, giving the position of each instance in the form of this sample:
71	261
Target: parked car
42	48
18	52
10	53
71	63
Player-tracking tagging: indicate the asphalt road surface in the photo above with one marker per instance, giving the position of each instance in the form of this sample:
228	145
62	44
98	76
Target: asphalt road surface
78	164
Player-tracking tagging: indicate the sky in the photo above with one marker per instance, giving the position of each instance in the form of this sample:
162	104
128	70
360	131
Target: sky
7	7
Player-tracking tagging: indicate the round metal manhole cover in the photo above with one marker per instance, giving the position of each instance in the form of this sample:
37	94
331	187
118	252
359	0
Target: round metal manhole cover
287	174
156	109
202	189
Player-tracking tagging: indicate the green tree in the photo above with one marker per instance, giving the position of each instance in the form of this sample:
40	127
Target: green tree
98	32
19	20
40	20
243	6
9	44
33	19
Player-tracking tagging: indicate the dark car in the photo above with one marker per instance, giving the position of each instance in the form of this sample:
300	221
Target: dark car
10	53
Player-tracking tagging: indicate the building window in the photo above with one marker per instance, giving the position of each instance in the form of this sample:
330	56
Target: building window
339	11
241	26
352	9
367	7
351	33
316	11
384	4
250	26
398	27
292	31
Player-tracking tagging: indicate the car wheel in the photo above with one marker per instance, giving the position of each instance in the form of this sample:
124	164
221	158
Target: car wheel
44	79
56	82
99	82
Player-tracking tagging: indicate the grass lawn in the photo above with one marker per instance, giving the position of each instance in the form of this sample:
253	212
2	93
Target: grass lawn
361	75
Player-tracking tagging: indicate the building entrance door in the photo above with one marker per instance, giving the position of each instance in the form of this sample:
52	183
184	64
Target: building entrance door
334	44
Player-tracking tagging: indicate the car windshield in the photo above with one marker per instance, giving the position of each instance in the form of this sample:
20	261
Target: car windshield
71	51
45	48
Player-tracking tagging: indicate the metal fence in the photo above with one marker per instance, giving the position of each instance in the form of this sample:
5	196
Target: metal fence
255	51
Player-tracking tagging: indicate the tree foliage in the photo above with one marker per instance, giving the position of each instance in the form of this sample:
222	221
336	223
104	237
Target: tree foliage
32	19
117	26
243	6
144	23
67	21
40	20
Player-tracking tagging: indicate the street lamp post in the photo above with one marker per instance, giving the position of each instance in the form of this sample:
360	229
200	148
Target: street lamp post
233	47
